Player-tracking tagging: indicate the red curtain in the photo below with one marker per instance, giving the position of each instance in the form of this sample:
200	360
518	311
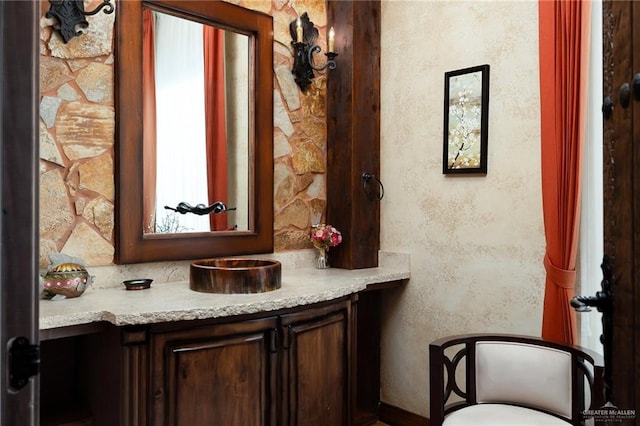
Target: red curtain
564	43
216	128
149	121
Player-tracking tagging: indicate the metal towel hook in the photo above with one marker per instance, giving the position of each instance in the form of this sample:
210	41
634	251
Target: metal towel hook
366	178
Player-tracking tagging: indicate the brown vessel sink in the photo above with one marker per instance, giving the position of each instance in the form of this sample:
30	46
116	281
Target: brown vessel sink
235	275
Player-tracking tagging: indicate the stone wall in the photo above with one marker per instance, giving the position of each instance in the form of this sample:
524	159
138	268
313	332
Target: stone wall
77	128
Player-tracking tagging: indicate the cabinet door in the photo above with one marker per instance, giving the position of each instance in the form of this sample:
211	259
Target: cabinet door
316	349
216	375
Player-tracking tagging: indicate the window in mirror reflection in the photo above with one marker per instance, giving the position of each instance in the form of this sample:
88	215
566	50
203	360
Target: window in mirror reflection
195	120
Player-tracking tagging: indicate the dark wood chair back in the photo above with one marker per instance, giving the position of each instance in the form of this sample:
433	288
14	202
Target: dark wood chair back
455	363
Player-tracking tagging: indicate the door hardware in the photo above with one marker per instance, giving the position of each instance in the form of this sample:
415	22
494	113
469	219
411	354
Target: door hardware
624	94
603	302
373	196
607	107
24	362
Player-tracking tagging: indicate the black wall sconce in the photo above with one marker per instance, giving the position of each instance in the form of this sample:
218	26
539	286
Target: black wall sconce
70	14
304	35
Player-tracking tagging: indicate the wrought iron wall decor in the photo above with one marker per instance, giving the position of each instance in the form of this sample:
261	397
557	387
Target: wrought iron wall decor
70	15
304	35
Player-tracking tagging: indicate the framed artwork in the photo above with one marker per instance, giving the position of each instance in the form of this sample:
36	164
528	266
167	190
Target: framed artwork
466	120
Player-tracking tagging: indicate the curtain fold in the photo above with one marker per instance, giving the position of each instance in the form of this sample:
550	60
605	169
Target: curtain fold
149	122
181	151
215	118
564	43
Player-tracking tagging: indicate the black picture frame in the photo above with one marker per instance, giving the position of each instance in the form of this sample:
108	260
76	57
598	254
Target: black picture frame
466	120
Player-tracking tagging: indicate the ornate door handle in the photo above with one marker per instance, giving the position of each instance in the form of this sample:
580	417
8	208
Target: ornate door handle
603	302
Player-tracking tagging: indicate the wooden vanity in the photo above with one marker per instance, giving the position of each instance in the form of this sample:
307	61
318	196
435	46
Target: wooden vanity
307	353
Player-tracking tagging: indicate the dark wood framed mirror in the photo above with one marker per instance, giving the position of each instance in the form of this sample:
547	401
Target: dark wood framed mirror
139	237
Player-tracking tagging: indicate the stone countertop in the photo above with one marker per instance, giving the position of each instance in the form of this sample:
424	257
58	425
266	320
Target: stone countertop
176	302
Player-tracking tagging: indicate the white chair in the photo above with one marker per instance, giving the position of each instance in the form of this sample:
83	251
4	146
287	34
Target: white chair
489	379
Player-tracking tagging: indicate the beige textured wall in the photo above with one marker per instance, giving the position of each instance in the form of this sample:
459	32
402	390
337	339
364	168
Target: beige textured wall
476	243
77	137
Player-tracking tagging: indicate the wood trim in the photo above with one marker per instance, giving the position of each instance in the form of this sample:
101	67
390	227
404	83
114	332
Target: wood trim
135	380
366	359
74	330
19	231
621	61
384	286
395	416
132	244
353	131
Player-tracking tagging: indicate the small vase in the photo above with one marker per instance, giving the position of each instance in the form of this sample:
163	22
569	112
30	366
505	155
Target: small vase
322	262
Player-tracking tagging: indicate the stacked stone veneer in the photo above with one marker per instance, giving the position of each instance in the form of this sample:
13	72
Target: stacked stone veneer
77	137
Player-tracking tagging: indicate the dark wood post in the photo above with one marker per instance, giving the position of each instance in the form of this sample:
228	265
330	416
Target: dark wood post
353	132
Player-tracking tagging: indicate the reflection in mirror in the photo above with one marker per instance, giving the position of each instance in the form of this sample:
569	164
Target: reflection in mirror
196	93
158	144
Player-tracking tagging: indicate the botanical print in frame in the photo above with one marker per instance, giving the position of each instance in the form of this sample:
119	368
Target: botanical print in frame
466	119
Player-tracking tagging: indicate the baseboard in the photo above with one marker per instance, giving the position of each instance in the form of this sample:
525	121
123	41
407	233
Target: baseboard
395	416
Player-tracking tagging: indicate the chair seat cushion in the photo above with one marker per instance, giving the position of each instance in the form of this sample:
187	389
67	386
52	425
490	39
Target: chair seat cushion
500	415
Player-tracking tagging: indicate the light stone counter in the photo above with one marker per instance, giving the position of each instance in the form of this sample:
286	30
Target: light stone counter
174	301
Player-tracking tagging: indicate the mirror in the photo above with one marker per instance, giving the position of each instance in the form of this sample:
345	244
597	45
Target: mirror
189	104
176	156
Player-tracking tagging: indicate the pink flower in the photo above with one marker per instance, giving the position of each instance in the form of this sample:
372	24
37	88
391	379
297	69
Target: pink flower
336	239
325	236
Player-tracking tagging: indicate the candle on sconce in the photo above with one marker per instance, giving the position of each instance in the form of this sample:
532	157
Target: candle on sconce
299	36
332	36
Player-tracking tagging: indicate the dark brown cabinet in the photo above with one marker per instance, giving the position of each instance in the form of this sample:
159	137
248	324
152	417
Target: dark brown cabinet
214	375
307	365
288	368
315	367
80	375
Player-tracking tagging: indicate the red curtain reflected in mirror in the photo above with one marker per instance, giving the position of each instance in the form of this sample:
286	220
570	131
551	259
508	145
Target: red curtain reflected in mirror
215	117
215	132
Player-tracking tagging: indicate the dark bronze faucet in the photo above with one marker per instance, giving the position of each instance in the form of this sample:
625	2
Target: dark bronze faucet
200	209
